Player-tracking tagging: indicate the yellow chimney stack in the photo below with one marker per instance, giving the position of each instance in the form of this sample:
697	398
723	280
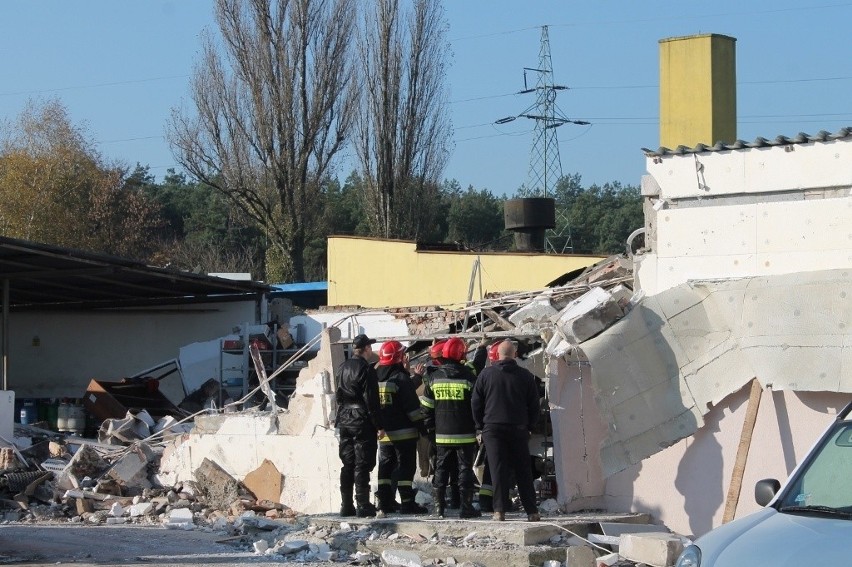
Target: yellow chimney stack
698	90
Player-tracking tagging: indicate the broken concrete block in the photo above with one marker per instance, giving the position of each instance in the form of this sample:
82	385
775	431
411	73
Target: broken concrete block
539	310
146	418
588	315
260	546
607	560
179	518
401	558
115	521
658	549
265	482
86	462
55	449
119	431
558	347
131	470
293	546
219	488
141	509
116	510
579	556
164	423
141	429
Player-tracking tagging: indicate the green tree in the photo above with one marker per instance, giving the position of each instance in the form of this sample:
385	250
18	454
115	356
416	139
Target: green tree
597	219
56	188
475	218
202	232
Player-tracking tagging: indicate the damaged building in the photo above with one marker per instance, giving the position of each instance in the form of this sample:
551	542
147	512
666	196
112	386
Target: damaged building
677	375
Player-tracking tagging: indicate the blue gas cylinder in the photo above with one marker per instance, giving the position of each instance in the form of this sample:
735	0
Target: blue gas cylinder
29	412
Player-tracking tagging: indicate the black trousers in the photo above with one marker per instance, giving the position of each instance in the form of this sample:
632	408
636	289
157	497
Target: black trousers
464	455
397	463
358	454
508	452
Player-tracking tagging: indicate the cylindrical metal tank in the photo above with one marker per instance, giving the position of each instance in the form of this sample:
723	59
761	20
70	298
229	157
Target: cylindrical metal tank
529	218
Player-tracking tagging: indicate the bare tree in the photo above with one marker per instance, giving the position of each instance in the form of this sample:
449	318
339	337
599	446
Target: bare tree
403	126
274	102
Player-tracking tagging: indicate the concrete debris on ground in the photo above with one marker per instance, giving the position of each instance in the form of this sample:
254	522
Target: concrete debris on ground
116	479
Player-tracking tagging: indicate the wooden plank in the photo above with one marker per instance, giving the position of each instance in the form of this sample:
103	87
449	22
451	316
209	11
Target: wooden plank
736	485
501	321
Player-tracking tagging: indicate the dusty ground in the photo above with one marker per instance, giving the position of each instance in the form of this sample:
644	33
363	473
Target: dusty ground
121	545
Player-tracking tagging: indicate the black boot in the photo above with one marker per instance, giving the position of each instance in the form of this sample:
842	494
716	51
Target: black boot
467	509
455	496
384	496
346	507
409	505
440	501
364	508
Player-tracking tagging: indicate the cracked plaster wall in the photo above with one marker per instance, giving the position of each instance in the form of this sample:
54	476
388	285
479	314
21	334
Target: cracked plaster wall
300	442
659	370
746	275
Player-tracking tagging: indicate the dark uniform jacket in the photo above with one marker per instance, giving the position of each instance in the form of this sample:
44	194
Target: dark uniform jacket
357	395
446	404
506	394
401	413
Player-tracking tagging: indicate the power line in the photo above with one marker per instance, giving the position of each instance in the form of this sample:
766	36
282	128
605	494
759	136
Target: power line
161	137
522	133
94	86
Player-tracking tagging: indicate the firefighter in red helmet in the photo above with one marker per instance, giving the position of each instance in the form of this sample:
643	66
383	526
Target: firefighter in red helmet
446	401
403	421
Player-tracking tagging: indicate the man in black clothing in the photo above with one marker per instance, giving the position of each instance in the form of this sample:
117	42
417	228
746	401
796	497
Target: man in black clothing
359	425
403	421
505	406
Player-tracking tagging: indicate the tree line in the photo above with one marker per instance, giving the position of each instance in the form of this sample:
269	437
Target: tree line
281	88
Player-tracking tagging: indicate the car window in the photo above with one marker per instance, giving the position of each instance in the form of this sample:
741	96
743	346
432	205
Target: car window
825	481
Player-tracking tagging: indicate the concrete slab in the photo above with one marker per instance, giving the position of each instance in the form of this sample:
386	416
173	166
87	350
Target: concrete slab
509	557
515	530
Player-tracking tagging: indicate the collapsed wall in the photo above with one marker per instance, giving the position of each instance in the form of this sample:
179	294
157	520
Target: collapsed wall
300	442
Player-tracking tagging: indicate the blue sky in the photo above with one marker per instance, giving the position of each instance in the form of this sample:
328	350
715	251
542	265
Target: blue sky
119	67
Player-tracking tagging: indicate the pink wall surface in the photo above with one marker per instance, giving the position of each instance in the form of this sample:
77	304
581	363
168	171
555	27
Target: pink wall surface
684	486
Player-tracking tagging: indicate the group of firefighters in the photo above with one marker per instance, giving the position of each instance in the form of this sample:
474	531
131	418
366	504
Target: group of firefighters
464	407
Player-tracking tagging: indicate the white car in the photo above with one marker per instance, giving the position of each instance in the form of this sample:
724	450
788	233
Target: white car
807	522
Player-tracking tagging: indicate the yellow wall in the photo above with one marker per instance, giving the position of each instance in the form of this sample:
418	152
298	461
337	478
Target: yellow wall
698	91
392	273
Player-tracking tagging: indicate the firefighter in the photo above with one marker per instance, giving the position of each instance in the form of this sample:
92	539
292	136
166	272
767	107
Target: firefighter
403	421
359	425
447	404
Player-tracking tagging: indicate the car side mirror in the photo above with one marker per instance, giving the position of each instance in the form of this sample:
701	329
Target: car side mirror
765	490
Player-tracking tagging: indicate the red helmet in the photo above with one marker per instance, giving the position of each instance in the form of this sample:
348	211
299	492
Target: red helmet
493	352
391	352
454	349
437	349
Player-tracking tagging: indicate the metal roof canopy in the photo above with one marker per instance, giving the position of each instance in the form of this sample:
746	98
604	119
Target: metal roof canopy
40	277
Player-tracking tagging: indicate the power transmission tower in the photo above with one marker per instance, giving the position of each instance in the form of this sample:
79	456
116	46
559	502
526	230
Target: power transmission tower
545	162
